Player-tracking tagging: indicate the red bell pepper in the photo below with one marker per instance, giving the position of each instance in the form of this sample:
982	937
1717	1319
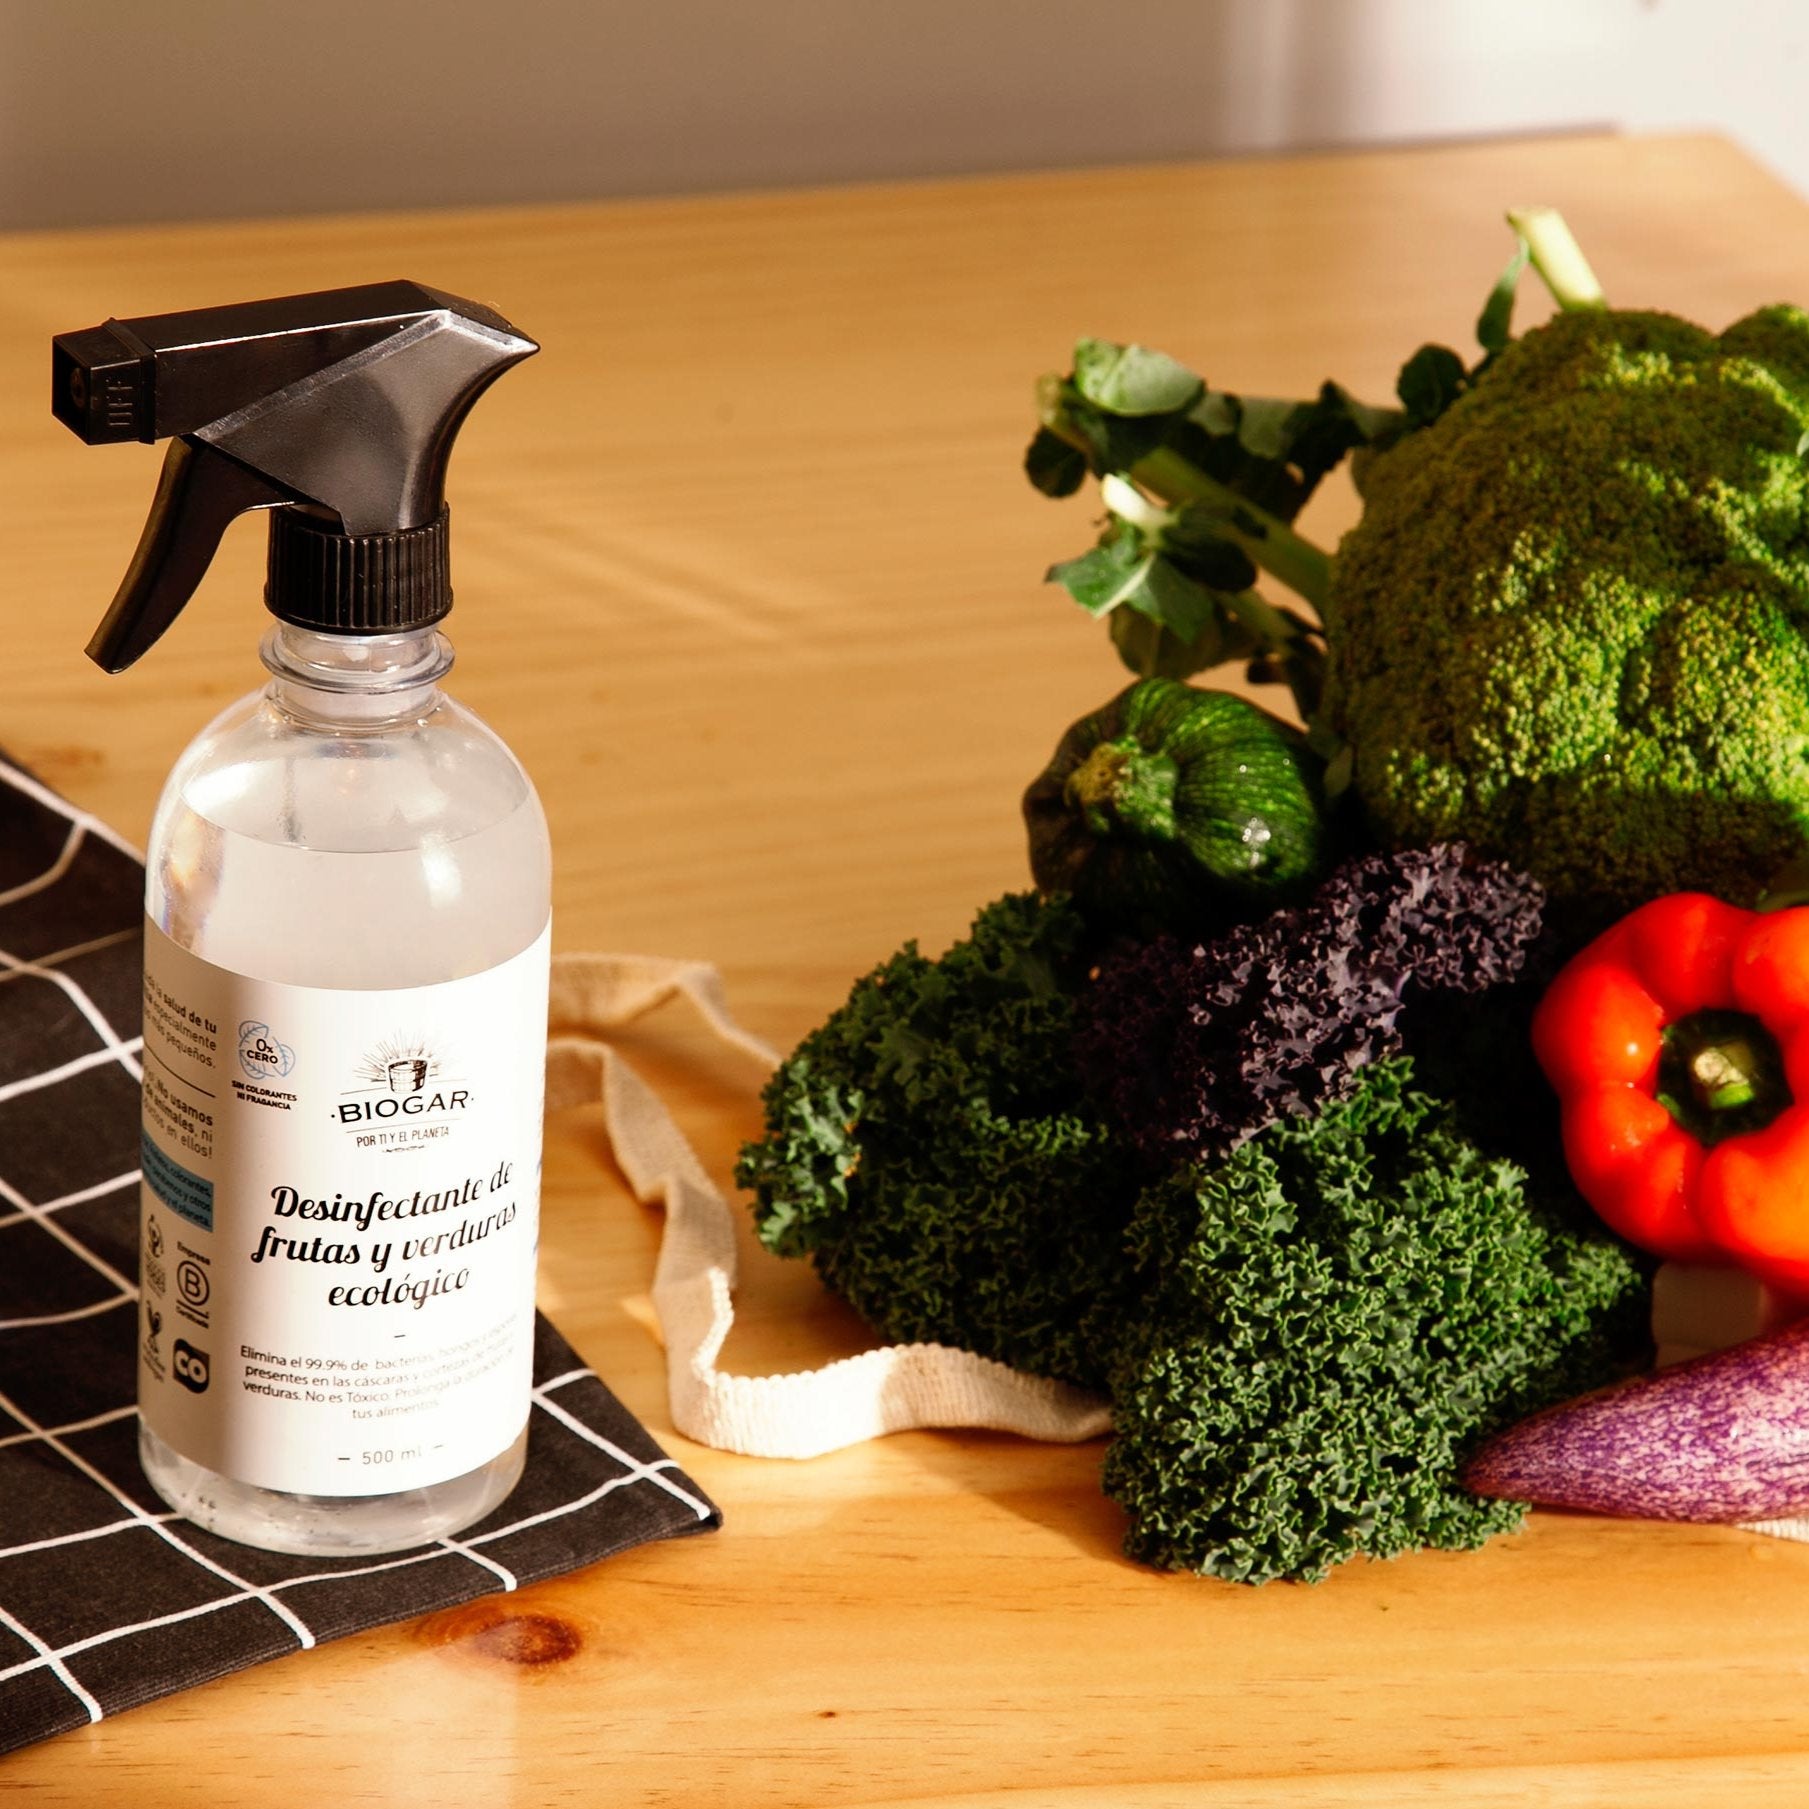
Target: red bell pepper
1678	1044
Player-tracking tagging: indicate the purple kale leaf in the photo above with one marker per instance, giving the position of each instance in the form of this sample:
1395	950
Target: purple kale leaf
1195	1047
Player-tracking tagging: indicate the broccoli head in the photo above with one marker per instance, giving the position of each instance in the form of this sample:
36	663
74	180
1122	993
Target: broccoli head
1332	1318
1570	625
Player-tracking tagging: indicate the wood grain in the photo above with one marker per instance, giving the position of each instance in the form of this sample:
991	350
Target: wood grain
748	575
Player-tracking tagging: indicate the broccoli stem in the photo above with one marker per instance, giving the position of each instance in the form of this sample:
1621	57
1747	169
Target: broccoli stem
1298	659
1264	620
1557	257
1285	638
1271	543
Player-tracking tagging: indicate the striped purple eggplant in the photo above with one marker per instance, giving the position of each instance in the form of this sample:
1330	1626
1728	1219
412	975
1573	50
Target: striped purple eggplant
1721	1438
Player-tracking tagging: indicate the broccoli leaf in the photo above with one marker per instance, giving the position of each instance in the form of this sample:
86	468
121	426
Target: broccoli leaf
1112	442
1495	325
1053	465
1234	472
1273	452
1103	576
1178	571
1140	416
1152	650
1133	380
1167	595
1194	539
1264	426
1430	381
1129	569
1376	427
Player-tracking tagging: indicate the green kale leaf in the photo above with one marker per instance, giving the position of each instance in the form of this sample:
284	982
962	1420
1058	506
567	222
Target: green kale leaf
1331	1319
930	1149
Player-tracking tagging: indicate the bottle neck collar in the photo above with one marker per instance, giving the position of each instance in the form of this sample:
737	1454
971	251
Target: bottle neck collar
355	680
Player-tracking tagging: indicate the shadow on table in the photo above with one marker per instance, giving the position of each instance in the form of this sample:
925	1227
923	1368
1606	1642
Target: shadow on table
1054	1488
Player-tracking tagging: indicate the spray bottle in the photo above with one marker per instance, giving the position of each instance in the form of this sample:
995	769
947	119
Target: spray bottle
347	918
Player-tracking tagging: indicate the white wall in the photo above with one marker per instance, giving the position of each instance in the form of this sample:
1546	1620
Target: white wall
164	109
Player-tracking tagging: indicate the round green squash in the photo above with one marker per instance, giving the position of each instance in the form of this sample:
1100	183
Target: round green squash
1175	807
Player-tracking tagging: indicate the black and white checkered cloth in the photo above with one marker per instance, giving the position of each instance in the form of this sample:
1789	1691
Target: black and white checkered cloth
106	1598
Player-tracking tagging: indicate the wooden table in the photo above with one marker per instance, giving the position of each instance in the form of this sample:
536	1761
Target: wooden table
748	575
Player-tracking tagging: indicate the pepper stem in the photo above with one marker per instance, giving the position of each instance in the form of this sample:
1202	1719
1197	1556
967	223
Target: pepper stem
1722	1077
1721	1074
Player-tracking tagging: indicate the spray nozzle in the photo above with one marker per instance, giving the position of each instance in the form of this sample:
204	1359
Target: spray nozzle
336	410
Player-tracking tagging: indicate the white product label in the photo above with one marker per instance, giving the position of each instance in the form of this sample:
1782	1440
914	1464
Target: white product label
341	1207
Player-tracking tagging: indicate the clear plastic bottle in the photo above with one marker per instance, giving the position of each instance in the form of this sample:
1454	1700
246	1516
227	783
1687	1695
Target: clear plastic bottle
349	826
346	937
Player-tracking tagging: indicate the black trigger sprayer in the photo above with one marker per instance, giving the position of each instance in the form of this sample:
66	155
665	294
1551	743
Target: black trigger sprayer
337	411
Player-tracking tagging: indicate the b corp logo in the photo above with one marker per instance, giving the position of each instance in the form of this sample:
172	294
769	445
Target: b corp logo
190	1366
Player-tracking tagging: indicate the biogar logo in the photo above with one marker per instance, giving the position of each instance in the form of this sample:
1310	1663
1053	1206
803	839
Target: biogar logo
401	1077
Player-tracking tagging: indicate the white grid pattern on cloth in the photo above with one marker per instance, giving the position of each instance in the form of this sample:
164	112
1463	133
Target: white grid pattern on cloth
636	1472
114	1047
92	1532
26	1213
87	1425
92	946
81	825
80	820
55	1661
124	1290
46	969
68	1316
72	843
157	1523
121	1052
82	1195
654	1473
562	1483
